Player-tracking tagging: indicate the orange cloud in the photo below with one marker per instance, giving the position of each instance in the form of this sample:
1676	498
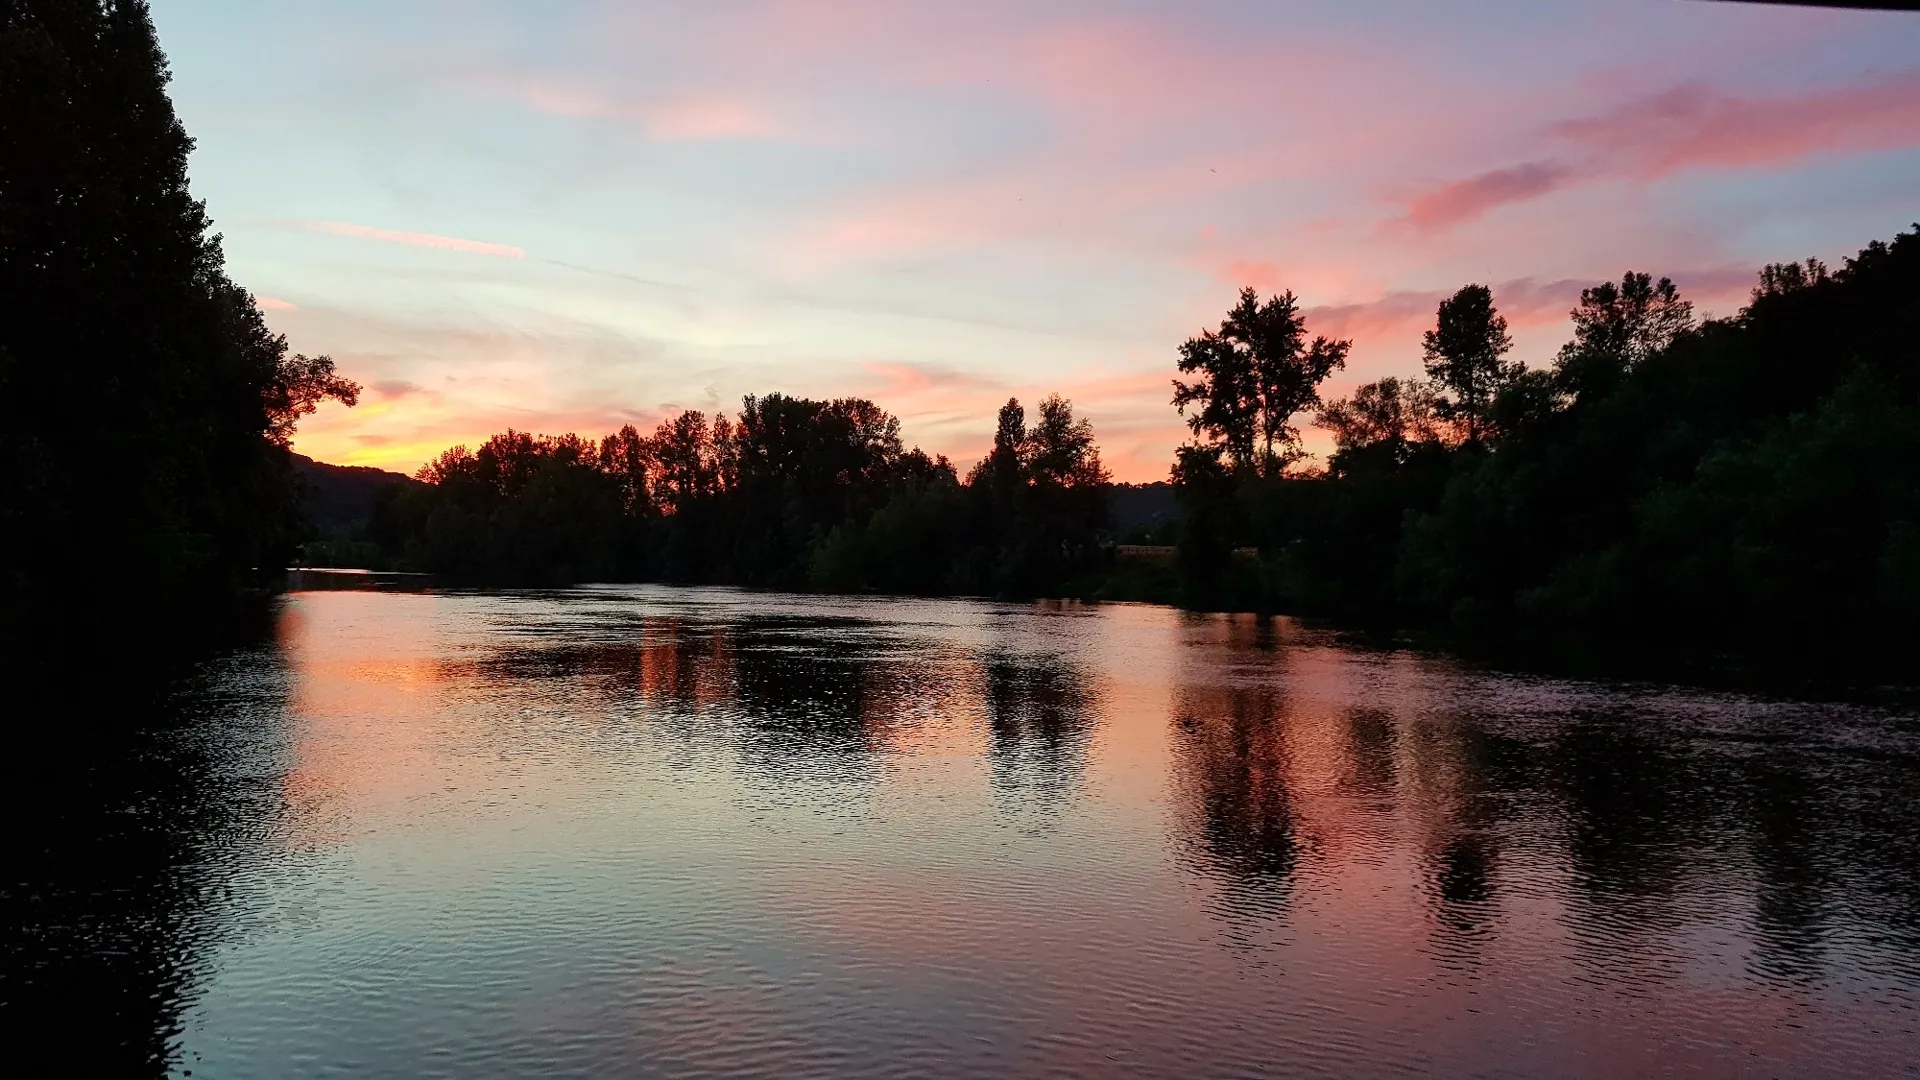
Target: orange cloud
908	380
269	303
411	239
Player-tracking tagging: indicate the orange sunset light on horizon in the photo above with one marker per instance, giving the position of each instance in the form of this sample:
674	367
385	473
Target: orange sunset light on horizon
602	213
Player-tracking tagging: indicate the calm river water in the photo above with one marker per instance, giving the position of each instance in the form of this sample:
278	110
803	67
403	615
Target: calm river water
689	833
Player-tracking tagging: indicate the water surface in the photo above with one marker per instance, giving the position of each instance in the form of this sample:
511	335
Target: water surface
658	832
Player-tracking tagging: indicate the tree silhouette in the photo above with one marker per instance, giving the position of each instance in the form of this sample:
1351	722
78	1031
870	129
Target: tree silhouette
1002	471
1059	450
793	492
1258	371
145	406
1392	412
1463	358
301	386
1616	328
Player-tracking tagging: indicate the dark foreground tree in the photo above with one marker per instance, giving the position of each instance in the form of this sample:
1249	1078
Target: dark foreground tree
144	405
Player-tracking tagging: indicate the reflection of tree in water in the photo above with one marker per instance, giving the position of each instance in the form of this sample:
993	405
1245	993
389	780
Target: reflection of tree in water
1460	885
666	663
108	905
1467	777
1373	743
1231	760
1795	876
806	699
1831	835
1462	871
1040	717
789	695
1445	783
1658	810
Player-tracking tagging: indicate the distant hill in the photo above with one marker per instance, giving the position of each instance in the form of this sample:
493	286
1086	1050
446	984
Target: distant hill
1143	504
340	499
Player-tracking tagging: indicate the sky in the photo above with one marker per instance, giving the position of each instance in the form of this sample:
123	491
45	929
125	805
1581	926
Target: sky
573	215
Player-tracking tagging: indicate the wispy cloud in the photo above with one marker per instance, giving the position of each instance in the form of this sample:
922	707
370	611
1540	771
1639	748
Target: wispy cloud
410	239
1693	126
273	303
675	117
1459	201
691	120
1690	126
903	380
395	388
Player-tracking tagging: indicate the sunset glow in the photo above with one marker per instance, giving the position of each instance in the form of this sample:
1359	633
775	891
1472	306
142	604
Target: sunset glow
584	214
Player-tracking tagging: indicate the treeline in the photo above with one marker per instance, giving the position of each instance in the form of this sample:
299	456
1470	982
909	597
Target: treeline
145	408
788	493
1749	482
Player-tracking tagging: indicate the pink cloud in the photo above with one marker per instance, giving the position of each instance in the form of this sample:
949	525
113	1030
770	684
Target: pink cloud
1688	127
1264	276
673	118
1133	122
1692	126
695	120
411	239
270	303
908	380
1464	200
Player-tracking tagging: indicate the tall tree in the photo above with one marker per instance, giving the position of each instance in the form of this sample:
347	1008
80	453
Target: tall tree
1257	372
145	407
1616	328
1003	470
1463	357
1059	450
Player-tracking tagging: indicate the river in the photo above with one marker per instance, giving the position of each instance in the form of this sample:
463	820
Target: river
688	832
